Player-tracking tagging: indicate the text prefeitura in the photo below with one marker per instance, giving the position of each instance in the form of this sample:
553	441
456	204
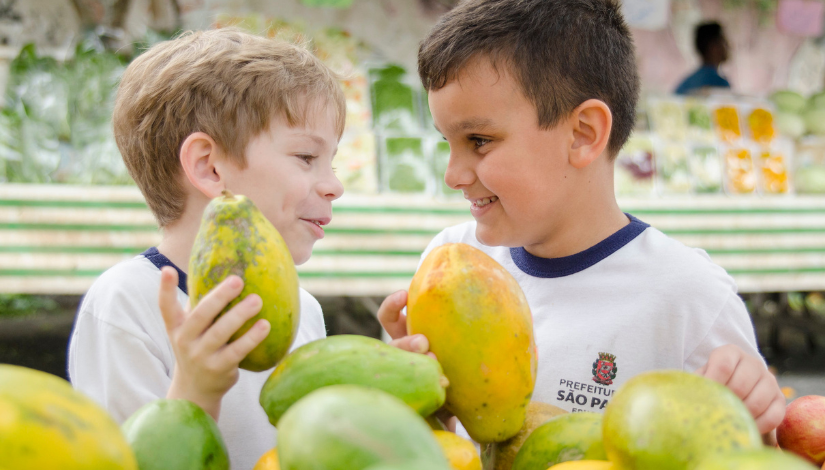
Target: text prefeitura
597	401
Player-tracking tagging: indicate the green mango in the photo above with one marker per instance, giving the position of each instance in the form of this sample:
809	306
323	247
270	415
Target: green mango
416	379
173	434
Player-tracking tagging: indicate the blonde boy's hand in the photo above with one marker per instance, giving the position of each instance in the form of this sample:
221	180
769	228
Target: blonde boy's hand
748	378
206	367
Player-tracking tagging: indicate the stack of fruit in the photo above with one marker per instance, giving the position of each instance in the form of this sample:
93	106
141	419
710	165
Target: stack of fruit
355	403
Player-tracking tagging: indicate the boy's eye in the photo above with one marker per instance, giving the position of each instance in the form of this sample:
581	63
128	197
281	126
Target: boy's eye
479	142
306	158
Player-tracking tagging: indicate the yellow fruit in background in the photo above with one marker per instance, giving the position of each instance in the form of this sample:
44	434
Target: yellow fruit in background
479	326
500	455
46	424
585	465
461	453
268	461
236	238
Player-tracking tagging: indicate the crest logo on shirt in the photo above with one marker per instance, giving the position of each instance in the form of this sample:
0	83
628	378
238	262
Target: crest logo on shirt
604	369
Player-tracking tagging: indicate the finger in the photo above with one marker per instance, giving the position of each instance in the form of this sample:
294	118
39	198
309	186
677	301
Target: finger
701	371
228	324
234	352
721	364
772	417
390	316
210	306
762	397
170	308
745	377
412	343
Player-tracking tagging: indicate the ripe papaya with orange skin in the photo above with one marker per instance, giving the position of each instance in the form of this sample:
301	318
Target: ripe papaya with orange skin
478	323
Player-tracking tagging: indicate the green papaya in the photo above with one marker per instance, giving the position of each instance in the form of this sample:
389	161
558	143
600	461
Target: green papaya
565	438
416	379
671	420
350	427
765	458
235	238
173	434
46	424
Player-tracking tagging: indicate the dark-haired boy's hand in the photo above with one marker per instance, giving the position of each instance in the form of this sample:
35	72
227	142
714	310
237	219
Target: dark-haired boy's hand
206	364
394	321
751	381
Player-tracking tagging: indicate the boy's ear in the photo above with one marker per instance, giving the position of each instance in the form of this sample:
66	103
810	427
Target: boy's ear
199	157
591	122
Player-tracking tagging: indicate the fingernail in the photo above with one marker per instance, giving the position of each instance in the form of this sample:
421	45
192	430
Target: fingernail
234	281
420	344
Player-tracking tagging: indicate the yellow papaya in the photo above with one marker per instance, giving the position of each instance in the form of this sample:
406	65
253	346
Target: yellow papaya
268	461
236	238
46	424
461	454
478	323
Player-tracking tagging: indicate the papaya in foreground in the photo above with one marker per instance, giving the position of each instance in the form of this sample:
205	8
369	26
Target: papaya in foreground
500	455
236	238
761	459
461	453
175	434
565	438
417	379
478	323
45	423
672	420
350	427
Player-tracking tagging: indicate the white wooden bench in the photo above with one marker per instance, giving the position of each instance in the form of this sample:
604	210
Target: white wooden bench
56	239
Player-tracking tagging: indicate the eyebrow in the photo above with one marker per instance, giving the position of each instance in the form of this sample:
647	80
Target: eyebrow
468	124
318	140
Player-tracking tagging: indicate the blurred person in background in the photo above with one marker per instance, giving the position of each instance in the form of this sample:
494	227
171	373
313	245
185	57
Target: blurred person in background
713	47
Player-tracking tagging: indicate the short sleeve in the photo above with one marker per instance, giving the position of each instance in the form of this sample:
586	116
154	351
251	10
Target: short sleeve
733	325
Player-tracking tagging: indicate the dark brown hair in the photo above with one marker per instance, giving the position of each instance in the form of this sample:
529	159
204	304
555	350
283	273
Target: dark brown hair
561	52
224	82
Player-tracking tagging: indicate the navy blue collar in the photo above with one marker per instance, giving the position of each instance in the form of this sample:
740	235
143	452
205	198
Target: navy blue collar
153	255
567	265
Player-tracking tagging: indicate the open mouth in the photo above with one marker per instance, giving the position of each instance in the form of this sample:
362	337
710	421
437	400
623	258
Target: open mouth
484	201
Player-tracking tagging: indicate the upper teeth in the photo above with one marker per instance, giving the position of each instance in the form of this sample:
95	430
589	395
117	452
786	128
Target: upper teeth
317	222
485	201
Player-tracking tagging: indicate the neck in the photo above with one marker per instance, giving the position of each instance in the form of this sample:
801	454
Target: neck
179	236
591	216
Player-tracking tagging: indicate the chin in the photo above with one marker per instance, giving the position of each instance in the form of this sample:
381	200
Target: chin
490	237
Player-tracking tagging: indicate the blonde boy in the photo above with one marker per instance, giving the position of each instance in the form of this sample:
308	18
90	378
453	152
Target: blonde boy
536	97
204	112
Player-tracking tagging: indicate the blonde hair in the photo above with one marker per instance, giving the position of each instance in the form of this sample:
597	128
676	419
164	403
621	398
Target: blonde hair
225	83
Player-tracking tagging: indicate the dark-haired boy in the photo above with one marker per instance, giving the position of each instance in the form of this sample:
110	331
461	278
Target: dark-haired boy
536	97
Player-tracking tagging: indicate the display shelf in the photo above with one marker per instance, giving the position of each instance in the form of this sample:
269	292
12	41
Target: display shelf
55	239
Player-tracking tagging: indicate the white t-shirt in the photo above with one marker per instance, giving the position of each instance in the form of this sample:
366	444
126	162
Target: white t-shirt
635	302
120	354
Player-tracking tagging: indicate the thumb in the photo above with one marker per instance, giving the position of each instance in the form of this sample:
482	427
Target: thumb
170	308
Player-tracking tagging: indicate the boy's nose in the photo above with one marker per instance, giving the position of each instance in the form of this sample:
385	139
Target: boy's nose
459	173
331	187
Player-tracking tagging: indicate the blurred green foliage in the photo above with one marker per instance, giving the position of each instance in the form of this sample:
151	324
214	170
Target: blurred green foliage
18	305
